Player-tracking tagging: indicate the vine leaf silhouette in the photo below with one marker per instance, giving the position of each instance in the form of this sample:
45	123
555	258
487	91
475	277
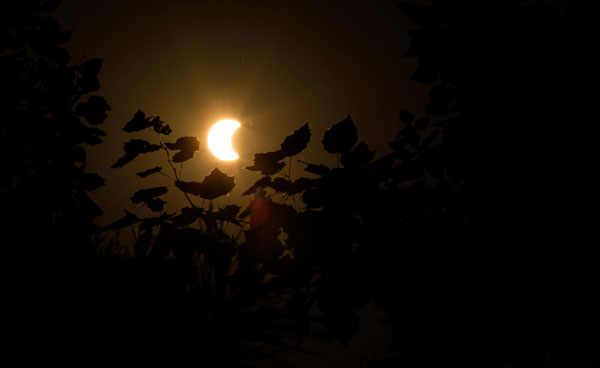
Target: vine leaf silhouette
186	147
214	185
150	222
94	110
268	163
358	157
296	142
145	195
88	76
280	185
263	182
133	148
319	169
128	220
341	137
187	216
408	136
141	122
137	123
228	213
143	174
155	204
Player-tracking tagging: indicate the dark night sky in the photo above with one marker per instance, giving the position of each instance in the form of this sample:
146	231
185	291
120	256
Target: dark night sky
271	65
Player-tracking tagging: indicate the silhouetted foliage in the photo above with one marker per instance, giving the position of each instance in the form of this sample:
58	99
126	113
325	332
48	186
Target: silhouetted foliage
145	173
214	185
340	138
186	147
133	149
268	163
442	232
140	122
47	119
297	142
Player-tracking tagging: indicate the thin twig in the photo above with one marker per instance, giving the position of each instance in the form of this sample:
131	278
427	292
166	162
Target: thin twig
175	172
163	174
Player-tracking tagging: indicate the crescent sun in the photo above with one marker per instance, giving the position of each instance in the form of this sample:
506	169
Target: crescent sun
219	140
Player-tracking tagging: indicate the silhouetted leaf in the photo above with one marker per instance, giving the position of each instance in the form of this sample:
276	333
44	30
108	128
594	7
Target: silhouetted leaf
155	204
228	213
144	195
281	185
317	169
340	138
160	126
302	184
145	173
90	181
137	123
150	222
296	142
140	122
88	79
406	116
191	187
314	197
188	215
94	110
186	146
267	163
263	182
358	157
128	220
214	185
133	148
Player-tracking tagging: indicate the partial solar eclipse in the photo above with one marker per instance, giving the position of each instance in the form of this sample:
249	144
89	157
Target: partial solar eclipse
219	140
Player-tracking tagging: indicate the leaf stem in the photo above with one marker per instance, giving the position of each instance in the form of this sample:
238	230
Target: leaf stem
175	172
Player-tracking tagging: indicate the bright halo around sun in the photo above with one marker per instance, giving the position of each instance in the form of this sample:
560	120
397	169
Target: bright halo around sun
219	140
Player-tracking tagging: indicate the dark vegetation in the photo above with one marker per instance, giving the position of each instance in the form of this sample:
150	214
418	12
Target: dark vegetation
470	234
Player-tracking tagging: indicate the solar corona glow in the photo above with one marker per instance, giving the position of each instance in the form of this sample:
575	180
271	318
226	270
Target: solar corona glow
219	140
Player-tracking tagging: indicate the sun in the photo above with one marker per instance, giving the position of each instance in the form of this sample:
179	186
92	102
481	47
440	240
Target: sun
219	140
